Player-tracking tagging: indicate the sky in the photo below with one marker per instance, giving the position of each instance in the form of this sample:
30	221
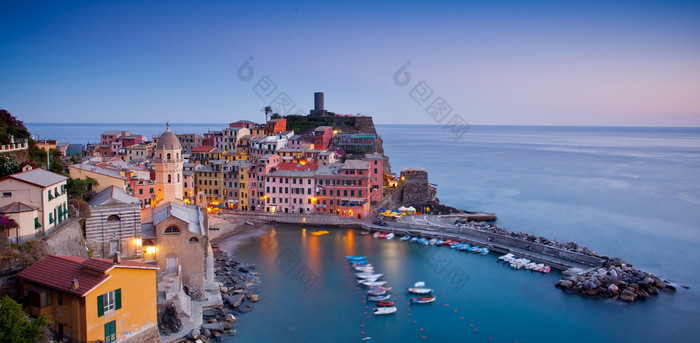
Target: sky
608	63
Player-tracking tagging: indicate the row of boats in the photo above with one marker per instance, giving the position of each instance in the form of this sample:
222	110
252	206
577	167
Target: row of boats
379	291
457	245
523	263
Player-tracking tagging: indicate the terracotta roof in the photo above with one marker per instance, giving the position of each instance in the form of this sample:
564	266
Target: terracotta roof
16	207
57	272
203	148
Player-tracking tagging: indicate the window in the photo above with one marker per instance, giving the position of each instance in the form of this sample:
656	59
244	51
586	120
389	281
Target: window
59	297
171	229
113	217
151	191
6	194
194	240
140	191
109	301
111	331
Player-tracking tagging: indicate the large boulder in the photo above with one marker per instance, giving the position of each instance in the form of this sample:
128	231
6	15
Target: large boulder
194	334
230	318
213	327
613	289
235	300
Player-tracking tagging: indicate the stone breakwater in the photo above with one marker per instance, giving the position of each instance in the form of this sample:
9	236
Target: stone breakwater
239	286
615	279
570	246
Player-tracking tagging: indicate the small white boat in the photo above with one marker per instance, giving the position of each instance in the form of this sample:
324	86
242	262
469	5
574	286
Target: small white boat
384	310
433	241
365	269
530	266
250	223
538	267
419	284
376	234
379	297
390	235
368	275
372	283
405	238
422	291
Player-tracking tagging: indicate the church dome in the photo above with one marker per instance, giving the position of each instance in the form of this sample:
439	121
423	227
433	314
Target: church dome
168	141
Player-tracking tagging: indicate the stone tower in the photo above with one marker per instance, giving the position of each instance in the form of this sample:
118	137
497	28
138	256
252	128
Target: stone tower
168	166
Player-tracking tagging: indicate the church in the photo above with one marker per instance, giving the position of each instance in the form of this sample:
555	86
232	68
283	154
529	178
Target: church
174	233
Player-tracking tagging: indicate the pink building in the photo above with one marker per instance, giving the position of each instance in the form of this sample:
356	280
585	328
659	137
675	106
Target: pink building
257	174
343	189
376	176
214	138
289	188
107	137
132	140
322	137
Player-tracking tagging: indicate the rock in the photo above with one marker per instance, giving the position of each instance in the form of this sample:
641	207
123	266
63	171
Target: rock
612	289
235	300
227	326
206	332
224	289
230	318
212	320
245	308
254	297
213	327
194	334
210	312
613	273
243	269
565	284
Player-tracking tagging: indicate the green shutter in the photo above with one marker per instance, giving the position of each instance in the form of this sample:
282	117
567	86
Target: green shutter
100	306
118	296
37	225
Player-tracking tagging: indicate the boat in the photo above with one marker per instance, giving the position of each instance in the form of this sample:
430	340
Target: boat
485	251
530	266
413	239
376	234
422	300
368	275
433	241
439	242
538	267
385	287
377	292
365	269
416	290
405	238
383	235
384	310
364	233
319	233
385	303
378	297
506	257
546	269
250	223
369	283
356	257
390	235
464	247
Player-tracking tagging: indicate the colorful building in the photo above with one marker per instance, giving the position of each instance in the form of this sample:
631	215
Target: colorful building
343	189
40	189
275	125
94	299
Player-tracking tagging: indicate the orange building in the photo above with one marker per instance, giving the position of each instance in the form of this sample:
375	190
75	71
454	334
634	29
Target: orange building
275	125
94	299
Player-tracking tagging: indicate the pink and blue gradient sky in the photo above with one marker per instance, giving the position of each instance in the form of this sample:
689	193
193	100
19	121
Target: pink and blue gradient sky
633	63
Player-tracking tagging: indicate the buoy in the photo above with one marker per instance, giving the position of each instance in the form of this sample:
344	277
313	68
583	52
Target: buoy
423	337
362	325
491	338
409	314
471	325
415	322
362	333
455	310
447	304
367	316
474	330
443	295
461	318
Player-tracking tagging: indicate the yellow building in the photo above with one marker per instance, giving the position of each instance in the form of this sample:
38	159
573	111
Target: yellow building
105	177
94	299
210	181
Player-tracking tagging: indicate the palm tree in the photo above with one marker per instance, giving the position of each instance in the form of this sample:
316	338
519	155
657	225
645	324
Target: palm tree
267	110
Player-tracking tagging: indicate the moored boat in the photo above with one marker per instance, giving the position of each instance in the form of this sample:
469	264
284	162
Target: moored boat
378	297
390	235
364	233
369	283
384	310
368	275
377	292
376	234
250	223
413	239
422	300
405	238
485	251
416	290
385	303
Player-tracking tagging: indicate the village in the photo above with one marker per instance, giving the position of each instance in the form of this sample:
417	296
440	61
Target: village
132	249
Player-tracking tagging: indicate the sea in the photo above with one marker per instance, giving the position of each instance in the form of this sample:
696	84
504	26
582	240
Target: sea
632	192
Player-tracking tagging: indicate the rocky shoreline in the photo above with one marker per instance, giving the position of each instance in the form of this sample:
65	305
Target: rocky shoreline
239	286
615	279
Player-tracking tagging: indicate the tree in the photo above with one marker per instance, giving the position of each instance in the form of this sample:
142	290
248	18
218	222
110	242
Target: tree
80	187
17	327
8	165
267	110
275	116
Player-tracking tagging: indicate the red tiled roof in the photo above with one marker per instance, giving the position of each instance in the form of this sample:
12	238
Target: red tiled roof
297	166
203	148
58	271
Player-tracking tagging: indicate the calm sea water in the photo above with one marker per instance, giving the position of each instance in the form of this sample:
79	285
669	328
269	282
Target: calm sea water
629	192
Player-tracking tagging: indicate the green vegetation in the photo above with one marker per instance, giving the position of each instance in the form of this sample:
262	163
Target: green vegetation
83	188
17	327
8	165
303	124
9	125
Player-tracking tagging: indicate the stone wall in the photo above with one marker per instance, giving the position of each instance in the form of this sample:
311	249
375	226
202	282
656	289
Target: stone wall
149	334
67	240
416	189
